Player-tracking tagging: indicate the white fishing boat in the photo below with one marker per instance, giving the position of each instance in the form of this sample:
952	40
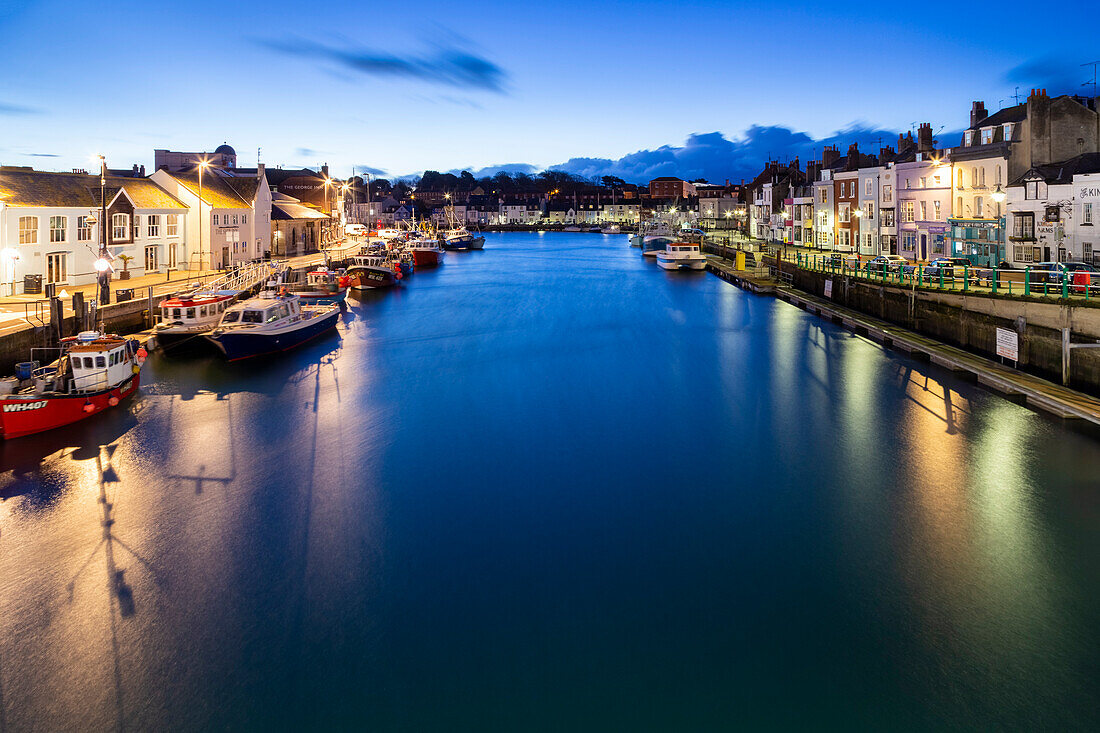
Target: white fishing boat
269	324
682	256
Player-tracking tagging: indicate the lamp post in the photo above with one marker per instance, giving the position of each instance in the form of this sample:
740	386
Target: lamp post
103	264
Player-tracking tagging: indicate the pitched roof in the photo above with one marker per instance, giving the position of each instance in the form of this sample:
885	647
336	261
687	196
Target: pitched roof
217	191
1065	171
26	187
284	210
1016	113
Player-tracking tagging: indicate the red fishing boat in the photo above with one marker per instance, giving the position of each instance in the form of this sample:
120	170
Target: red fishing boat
426	251
93	372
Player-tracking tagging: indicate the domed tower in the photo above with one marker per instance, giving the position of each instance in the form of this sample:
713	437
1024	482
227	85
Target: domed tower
225	156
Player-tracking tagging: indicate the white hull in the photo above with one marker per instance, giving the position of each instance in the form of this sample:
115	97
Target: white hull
681	264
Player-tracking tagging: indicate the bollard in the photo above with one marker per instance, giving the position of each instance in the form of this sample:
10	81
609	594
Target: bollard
941	278
1027	280
993	280
1065	285
966	278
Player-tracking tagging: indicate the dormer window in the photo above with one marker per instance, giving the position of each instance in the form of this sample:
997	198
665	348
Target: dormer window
1008	131
1031	190
987	135
969	137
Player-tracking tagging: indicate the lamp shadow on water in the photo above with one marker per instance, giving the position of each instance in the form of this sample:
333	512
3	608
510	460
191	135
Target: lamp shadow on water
120	593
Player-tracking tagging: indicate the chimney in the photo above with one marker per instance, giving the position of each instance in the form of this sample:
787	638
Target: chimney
924	137
813	170
260	170
829	155
977	113
853	157
885	154
324	170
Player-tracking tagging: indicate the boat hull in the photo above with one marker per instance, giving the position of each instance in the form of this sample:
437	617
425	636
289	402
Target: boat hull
373	279
316	297
654	243
477	243
26	415
425	258
672	264
184	342
241	344
456	245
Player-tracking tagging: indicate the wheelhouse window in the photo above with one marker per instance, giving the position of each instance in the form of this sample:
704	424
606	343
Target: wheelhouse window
252	317
120	226
59	225
231	317
28	230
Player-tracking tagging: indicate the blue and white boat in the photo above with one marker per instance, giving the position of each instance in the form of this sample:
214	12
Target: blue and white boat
269	324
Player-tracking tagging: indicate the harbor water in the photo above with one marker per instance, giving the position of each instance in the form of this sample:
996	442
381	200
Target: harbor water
549	486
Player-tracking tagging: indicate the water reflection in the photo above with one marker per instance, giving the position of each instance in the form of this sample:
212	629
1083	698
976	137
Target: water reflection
546	458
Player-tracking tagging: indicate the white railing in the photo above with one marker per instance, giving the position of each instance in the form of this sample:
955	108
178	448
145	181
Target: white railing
246	276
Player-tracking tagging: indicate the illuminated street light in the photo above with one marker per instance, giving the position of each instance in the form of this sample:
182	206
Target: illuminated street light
998	195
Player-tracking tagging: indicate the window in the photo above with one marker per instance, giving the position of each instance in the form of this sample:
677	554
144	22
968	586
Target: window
83	229
973	177
1023	253
244	218
58	226
909	241
868	210
887	194
907	212
153	225
909	183
867	187
151	264
1086	251
172	256
843	238
28	230
924	211
969	137
982	176
959	183
236	219
867	241
888	217
1086	214
845	213
120	226
1023	225
937	244
137	226
215	219
1008	130
959	206
923	181
936	210
173	225
1031	190
978	208
987	135
56	267
823	197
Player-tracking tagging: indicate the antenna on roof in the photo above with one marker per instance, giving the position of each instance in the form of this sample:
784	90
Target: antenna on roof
258	151
1016	94
1093	64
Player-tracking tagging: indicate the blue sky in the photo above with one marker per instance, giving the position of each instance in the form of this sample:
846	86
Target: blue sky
444	85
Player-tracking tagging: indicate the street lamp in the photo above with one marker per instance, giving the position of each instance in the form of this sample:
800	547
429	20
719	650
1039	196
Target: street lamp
103	263
998	194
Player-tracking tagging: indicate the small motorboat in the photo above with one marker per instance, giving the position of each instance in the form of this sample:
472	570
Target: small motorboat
682	256
368	272
186	318
93	372
269	324
322	287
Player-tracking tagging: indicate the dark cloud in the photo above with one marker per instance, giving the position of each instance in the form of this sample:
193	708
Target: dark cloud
306	152
15	109
1056	73
376	172
43	155
715	157
445	64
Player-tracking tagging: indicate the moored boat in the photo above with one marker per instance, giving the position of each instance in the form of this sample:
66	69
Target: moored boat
269	324
186	318
425	251
682	256
92	373
372	271
322	287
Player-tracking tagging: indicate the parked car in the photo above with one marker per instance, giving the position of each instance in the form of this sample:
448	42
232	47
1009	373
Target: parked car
886	263
949	267
1081	275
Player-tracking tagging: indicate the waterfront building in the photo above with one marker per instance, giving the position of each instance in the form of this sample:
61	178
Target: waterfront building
223	156
825	201
49	228
670	188
295	229
845	188
801	205
235	214
869	207
623	212
1051	212
924	198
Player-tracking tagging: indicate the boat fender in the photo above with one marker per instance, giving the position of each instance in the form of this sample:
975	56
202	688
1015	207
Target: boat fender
89	407
112	400
136	369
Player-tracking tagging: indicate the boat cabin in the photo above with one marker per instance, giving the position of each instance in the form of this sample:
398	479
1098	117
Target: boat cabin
99	362
193	310
259	311
682	247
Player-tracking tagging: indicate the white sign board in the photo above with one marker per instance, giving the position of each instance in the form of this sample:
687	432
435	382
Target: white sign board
828	288
1008	344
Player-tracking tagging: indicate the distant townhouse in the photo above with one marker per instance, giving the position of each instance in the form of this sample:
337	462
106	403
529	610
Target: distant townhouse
845	190
869	210
623	212
50	231
1052	212
670	188
924	199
